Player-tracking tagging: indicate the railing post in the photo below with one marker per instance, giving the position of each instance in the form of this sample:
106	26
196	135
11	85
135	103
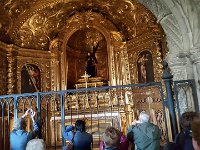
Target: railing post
39	114
15	109
62	108
167	77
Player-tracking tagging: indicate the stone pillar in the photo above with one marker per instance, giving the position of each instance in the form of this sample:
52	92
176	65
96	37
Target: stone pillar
195	58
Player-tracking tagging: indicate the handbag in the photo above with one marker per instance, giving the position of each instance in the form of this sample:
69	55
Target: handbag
69	145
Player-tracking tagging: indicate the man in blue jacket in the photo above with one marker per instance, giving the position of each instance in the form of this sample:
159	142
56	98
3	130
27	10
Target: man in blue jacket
19	137
145	135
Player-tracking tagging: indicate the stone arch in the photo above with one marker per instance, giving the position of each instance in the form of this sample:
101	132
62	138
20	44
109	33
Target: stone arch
168	21
179	20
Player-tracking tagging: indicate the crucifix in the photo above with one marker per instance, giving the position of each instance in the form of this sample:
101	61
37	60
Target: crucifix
86	76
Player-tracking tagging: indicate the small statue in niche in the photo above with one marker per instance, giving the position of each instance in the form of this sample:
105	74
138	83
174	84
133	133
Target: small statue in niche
145	67
142	61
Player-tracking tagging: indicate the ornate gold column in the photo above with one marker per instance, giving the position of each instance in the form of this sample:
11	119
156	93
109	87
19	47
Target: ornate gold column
55	73
125	65
54	47
11	73
120	62
3	69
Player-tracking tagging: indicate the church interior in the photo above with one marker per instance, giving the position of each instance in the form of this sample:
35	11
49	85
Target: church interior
106	55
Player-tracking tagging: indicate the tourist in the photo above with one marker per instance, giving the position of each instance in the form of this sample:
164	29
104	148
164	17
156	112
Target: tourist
111	139
124	143
143	134
196	133
184	138
81	139
19	137
36	144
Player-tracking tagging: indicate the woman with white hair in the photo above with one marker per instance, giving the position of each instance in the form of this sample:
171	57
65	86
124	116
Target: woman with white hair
19	137
145	135
36	144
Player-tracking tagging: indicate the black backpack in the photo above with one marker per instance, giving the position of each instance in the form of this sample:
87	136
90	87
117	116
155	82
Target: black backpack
184	140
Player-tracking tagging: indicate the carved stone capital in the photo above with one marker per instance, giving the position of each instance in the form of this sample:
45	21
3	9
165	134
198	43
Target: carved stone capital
176	59
180	65
195	54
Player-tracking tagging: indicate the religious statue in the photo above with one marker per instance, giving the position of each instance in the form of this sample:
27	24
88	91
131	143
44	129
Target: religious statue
145	67
90	62
90	65
143	72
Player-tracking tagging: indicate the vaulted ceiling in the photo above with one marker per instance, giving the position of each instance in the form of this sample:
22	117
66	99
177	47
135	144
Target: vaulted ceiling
35	23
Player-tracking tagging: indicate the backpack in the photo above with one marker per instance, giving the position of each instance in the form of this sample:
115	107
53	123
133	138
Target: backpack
69	145
184	140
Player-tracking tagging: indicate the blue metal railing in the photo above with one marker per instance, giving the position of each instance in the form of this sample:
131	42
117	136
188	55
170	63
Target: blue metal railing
93	102
100	107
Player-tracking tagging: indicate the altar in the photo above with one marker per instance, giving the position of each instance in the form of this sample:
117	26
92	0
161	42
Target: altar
88	82
95	125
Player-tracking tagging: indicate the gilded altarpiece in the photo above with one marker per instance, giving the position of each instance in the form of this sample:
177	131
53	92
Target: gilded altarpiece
42	60
100	25
44	39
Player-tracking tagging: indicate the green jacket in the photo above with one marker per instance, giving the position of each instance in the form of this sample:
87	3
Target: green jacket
146	136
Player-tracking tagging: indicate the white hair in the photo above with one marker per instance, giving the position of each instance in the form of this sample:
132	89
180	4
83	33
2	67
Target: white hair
36	144
144	117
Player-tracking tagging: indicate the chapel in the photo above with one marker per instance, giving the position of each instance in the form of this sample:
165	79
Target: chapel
106	55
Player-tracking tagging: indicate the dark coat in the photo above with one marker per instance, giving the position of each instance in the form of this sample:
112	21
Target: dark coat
81	141
184	140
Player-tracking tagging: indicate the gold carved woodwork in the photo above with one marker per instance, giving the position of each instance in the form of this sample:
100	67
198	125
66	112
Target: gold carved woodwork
37	23
43	30
126	104
15	59
45	24
149	43
87	22
3	71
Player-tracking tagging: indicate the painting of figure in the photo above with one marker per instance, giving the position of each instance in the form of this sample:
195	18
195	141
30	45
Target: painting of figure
30	79
145	67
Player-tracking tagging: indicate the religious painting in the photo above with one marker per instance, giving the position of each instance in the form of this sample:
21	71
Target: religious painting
145	67
30	79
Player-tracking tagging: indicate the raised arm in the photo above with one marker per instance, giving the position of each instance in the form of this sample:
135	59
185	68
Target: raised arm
35	132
